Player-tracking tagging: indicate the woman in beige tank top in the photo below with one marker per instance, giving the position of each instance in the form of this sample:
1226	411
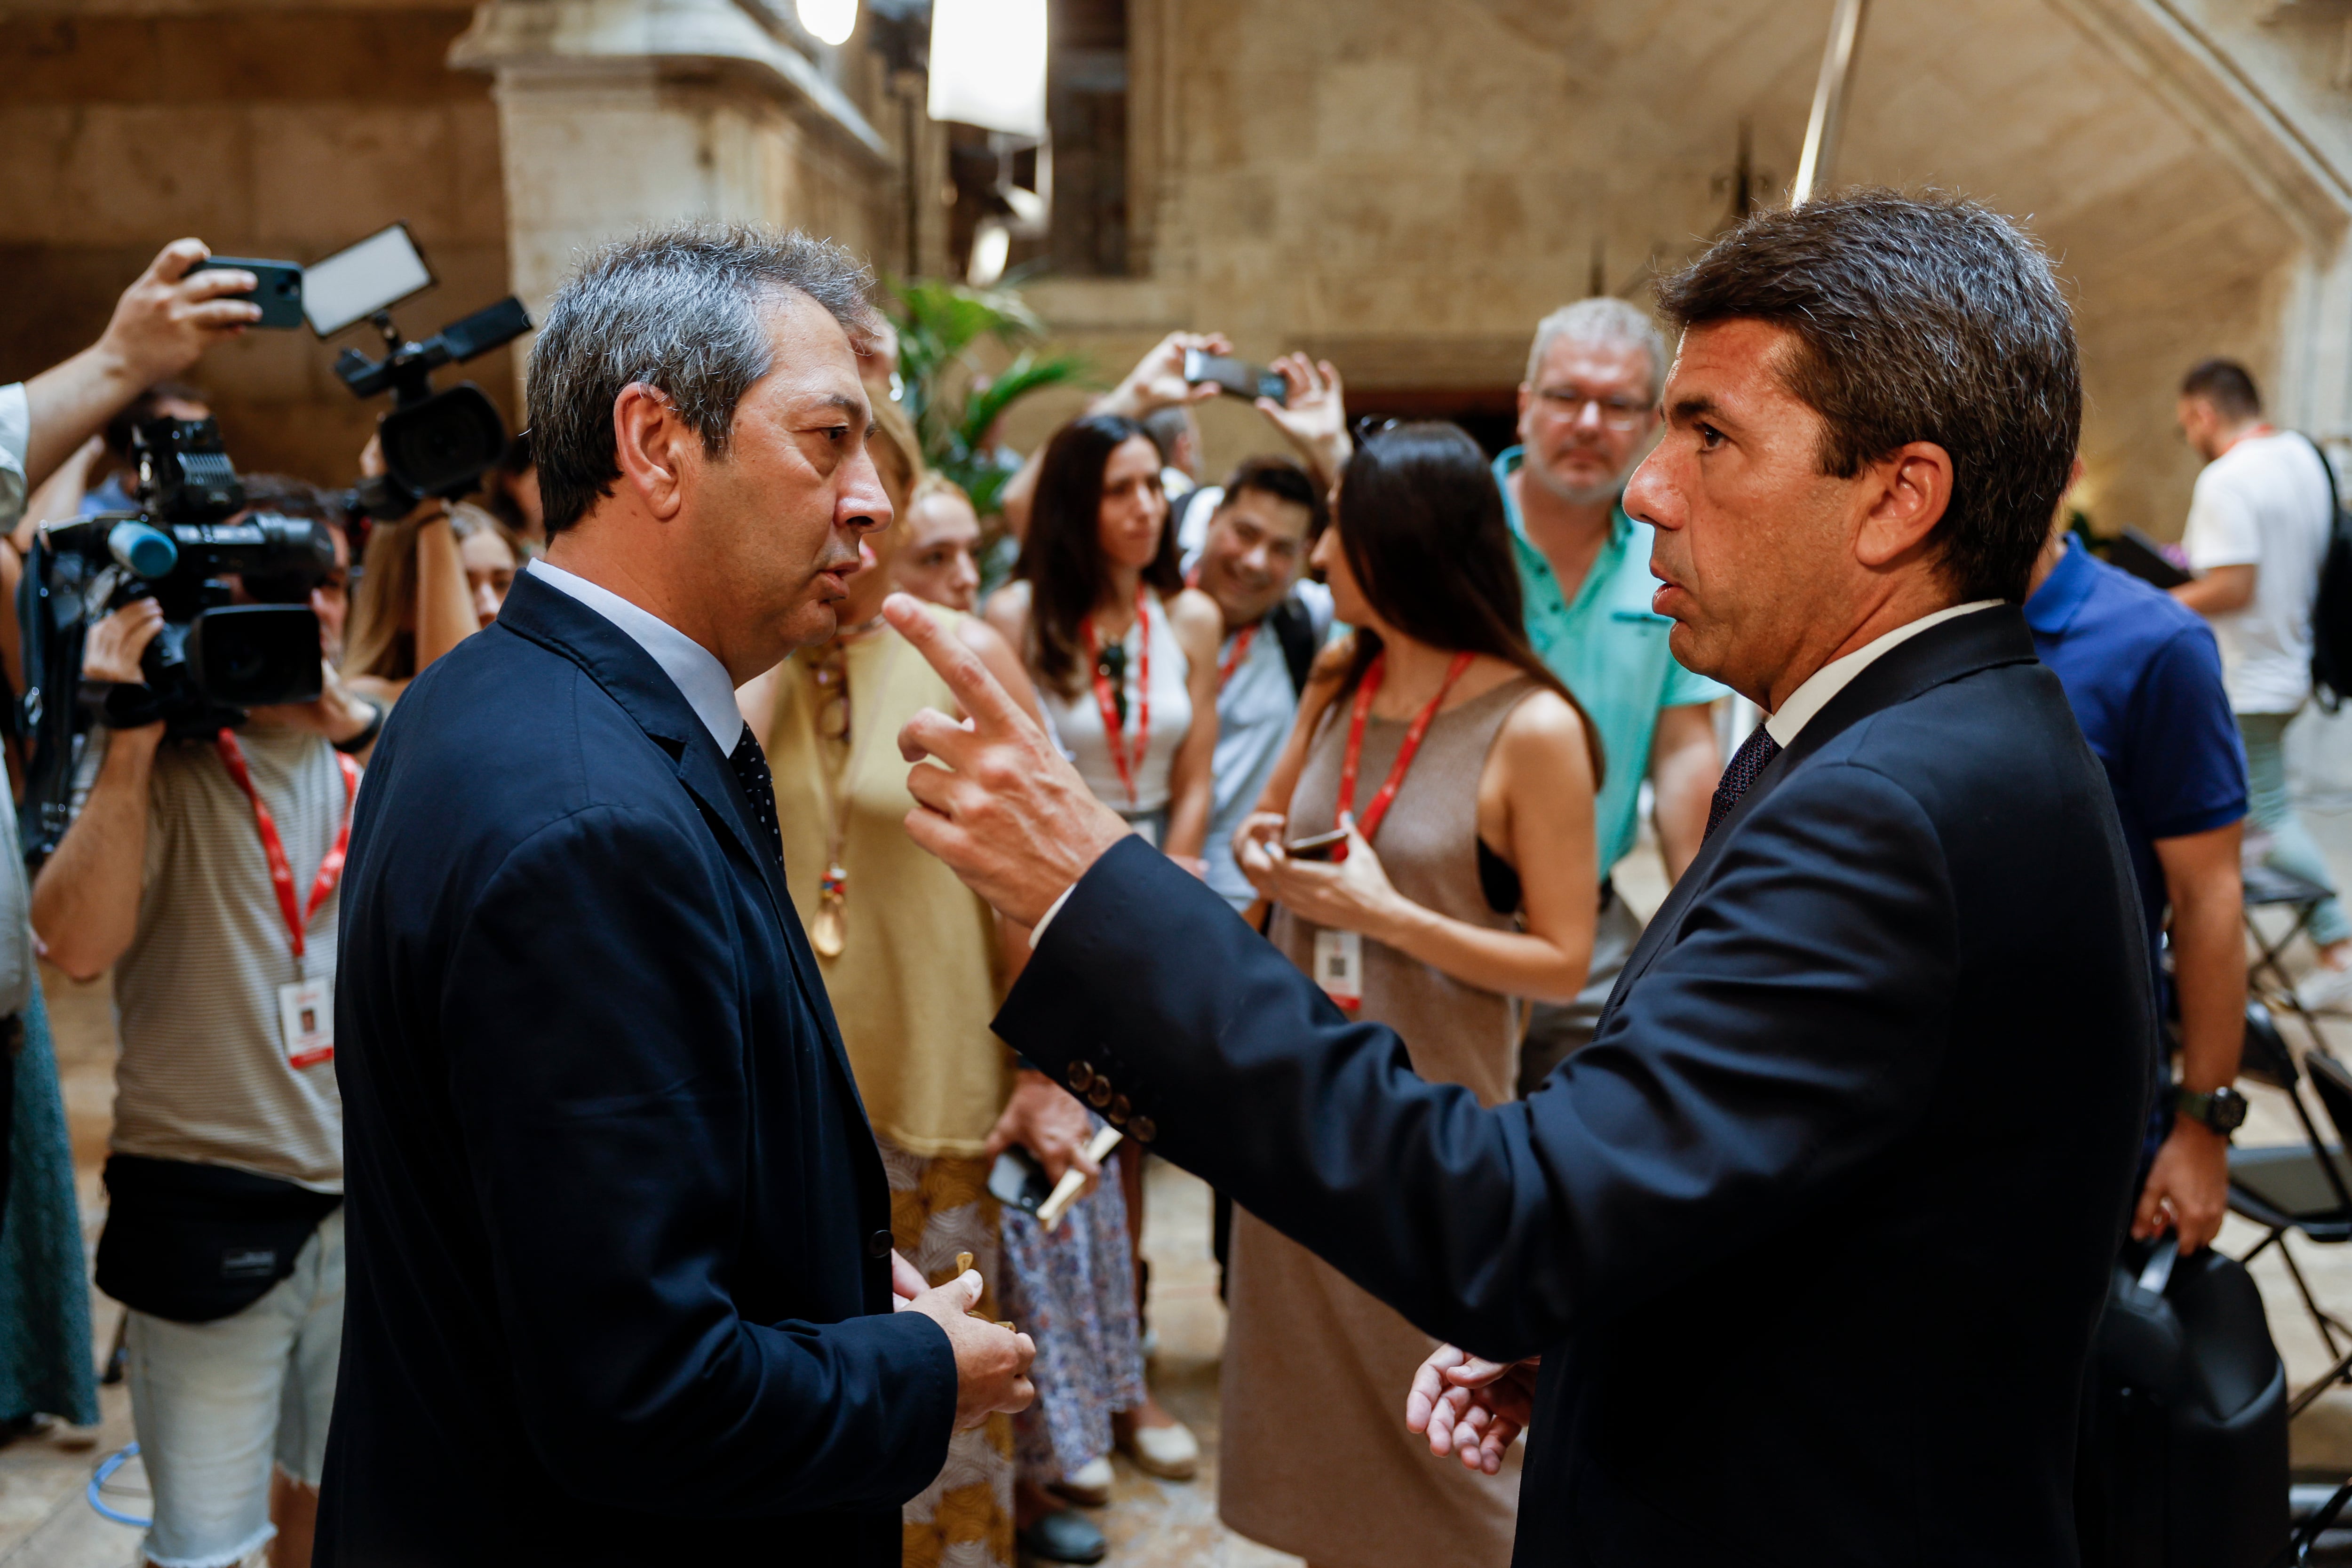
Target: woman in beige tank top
1465	775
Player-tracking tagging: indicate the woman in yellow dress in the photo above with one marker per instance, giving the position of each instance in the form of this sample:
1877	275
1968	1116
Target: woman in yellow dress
914	964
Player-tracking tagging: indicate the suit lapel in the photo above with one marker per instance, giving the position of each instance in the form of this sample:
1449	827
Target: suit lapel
1959	647
628	674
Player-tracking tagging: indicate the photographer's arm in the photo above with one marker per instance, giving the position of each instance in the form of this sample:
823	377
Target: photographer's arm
161	325
1156	382
445	613
86	902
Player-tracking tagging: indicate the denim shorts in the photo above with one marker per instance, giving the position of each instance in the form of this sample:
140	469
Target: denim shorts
216	1404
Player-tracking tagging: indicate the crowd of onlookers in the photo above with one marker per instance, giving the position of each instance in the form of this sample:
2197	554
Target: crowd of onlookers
1402	703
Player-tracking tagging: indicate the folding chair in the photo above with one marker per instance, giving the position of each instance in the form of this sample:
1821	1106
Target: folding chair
2266	976
2303	1187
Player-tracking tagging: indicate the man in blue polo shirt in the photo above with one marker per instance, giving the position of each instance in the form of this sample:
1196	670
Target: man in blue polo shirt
2144	678
1587	411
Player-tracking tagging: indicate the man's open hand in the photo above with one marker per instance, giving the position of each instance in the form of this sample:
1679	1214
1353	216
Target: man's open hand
991	1364
1006	812
1472	1407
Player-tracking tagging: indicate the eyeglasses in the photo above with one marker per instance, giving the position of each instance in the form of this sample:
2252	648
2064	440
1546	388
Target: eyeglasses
1616	413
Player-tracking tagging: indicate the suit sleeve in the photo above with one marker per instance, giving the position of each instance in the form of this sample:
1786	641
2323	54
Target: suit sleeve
1793	1030
605	1138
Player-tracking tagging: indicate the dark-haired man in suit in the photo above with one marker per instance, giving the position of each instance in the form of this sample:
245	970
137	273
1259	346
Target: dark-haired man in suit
1797	1261
621	1288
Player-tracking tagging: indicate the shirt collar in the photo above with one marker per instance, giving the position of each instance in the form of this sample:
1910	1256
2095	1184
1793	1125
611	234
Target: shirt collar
2052	606
1835	676
701	679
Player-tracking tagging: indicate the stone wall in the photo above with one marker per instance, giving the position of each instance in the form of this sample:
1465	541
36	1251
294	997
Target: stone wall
1407	189
269	132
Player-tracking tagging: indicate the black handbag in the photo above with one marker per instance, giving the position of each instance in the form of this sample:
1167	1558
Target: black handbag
195	1243
2183	1457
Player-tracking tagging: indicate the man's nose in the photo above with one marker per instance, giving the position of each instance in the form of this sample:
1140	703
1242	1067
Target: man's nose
1647	495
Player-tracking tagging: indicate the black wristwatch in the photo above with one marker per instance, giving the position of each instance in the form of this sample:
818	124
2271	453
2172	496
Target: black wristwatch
2223	1111
352	745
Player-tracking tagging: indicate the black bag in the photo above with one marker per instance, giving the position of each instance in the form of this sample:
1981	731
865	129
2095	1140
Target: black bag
2183	1457
195	1243
2331	611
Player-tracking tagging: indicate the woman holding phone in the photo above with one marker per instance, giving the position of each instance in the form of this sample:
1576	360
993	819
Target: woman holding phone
1427	843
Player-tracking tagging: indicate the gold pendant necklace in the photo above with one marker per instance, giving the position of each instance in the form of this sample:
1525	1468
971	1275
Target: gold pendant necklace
829	931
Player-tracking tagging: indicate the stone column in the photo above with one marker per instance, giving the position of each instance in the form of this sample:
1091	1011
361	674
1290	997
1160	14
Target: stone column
614	114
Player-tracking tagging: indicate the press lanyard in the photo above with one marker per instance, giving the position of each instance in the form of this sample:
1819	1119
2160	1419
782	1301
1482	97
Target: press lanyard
1233	661
1114	732
281	874
1369	688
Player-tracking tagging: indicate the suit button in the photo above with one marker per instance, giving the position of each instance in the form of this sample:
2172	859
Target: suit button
1119	1111
878	1245
1143	1130
1098	1093
1079	1075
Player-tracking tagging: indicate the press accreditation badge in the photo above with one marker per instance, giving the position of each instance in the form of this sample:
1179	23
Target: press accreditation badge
1340	966
306	1013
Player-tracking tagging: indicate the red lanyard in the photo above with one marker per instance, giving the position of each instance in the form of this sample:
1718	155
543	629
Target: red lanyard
1114	733
1233	661
281	875
1368	823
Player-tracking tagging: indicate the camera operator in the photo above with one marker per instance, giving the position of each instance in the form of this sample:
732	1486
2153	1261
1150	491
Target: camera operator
206	871
161	326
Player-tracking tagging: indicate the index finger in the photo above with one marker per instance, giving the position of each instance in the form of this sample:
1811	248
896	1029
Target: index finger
172	262
993	710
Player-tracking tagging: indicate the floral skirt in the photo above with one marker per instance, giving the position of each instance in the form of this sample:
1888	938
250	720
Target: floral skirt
1073	1293
939	1208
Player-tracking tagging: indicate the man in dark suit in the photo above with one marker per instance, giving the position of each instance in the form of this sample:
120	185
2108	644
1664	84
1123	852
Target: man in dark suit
621	1282
1810	1239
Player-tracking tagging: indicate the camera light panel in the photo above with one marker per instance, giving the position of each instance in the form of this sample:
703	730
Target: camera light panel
356	282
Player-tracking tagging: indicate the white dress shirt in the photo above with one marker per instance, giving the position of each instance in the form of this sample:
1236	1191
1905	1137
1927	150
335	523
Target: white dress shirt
1838	674
701	679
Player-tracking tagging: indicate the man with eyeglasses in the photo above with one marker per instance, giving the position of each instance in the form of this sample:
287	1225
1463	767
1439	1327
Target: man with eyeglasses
1587	411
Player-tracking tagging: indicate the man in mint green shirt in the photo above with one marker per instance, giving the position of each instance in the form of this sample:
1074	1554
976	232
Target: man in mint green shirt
1587	411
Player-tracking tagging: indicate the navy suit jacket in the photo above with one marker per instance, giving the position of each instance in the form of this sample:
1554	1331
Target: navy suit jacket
1812	1236
618	1234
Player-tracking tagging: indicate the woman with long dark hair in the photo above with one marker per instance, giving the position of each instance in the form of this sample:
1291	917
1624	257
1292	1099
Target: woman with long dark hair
1125	661
1124	656
1458	775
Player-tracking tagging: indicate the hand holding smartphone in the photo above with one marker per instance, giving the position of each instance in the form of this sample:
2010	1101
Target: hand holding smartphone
279	290
1236	376
1317	846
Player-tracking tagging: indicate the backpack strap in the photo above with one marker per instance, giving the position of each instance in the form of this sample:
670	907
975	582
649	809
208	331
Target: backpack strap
2334	494
1294	629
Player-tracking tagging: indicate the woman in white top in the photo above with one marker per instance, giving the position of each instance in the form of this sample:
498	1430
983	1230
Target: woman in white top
1124	655
1124	658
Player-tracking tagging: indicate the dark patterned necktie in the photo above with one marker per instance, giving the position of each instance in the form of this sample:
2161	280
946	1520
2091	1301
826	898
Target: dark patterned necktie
750	765
1755	754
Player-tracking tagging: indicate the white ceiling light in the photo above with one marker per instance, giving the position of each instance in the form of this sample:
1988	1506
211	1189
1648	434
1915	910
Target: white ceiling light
988	64
831	21
991	246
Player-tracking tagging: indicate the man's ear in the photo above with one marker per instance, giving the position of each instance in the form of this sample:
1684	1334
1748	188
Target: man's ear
654	446
1910	489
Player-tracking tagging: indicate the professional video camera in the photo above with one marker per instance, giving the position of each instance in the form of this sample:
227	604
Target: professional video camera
435	443
213	659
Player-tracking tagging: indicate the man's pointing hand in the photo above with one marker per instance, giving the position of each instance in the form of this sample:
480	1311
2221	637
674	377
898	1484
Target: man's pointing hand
993	798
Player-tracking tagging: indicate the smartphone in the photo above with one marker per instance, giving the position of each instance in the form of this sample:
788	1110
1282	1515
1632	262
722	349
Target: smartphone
1317	848
279	290
1017	1179
1236	376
